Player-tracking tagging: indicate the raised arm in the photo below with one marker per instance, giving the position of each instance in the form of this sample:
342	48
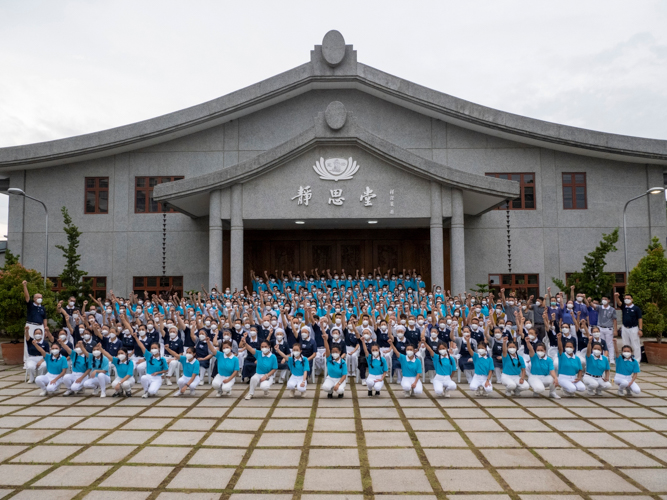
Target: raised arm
138	342
26	294
560	343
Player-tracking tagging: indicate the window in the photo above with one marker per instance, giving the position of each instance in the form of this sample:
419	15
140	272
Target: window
98	284
574	191
524	285
57	284
158	285
97	195
618	286
143	195
527	199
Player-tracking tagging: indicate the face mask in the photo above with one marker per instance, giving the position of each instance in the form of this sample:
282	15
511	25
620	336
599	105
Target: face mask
71	304
266	324
566	331
296	354
597	352
449	321
411	322
173	336
237	327
335	355
76	316
112	336
605	302
247	325
498	336
139	311
410	354
376	354
97	354
207	323
510	302
364	322
570	306
596	335
265	350
39	301
202	338
279	338
627	301
55	352
383	328
569	350
627	355
38	338
367	336
400	335
474	327
150	328
305	336
86	337
529	326
105	332
511	350
121	357
155	352
226	351
63	338
142	333
531	337
541	354
580	299
108	311
538	303
498	311
434	335
481	352
501	325
553	304
443	352
189	356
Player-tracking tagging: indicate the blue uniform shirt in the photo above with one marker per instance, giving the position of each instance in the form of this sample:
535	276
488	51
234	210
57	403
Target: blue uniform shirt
542	366
336	369
100	363
266	363
626	366
513	366
298	366
597	366
190	368
410	368
227	365
123	369
154	364
483	365
444	365
55	365
79	362
376	366
568	365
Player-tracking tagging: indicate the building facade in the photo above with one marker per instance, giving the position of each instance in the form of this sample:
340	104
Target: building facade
334	164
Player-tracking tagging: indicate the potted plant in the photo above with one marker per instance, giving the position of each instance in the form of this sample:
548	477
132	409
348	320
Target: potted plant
13	305
648	286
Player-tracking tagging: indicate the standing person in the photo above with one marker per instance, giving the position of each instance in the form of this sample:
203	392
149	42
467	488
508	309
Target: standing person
377	369
56	367
631	330
34	362
267	365
299	367
514	370
481	380
570	370
627	369
608	326
411	367
228	368
336	371
190	378
35	319
538	309
444	365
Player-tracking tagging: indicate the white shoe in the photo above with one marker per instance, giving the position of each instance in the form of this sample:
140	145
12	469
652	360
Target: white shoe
292	393
96	391
517	392
168	381
192	392
249	396
103	394
266	393
598	391
218	394
536	394
591	392
408	394
447	394
508	392
145	395
67	392
43	393
177	393
620	392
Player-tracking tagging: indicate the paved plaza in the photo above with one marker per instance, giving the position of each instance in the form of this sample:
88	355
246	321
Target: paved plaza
385	447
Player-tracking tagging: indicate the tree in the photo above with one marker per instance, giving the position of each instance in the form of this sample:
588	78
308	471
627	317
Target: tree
12	299
647	284
71	277
10	259
482	288
592	280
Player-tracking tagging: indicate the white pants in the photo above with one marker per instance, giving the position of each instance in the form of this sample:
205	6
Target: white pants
255	381
374	383
480	381
320	361
568	385
294	382
101	380
352	361
630	337
71	381
219	386
125	386
593	383
512	382
43	381
540	382
607	334
174	365
31	367
139	367
329	384
623	382
406	384
182	381
442	383
470	375
151	383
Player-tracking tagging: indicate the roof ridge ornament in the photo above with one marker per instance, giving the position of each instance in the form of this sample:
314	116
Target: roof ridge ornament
333	48
335	115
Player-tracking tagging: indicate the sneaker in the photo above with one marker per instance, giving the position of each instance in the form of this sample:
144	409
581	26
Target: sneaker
116	394
168	381
43	393
568	394
341	395
67	392
218	394
103	394
517	392
447	394
370	393
145	395
598	391
266	393
508	392
591	392
377	393
620	392
554	395
249	396
536	394
177	393
96	391
292	393
408	394
192	392
628	392
330	395
128	394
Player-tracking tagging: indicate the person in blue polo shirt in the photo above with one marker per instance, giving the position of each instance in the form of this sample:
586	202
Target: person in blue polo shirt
156	366
190	378
411	367
124	380
627	369
336	371
267	365
80	368
596	378
56	367
228	368
444	365
481	380
298	367
377	368
98	378
542	371
514	370
570	370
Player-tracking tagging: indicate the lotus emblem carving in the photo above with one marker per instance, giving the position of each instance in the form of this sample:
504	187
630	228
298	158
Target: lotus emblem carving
336	169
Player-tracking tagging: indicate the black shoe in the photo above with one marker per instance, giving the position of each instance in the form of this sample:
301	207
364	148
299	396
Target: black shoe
340	396
115	394
370	393
128	394
377	393
330	396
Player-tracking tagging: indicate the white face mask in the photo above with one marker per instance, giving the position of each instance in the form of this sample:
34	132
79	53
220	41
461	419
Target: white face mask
410	354
364	322
367	336
627	355
97	354
605	302
529	326
474	327
569	350
376	354
279	338
150	328
71	304
247	325
155	352
336	336
173	336
265	350
296	354
63	338
541	354
627	301
443	352
531	337
39	301
38	338
55	352
498	336
207	323
266	324
305	335
335	355
597	353
511	350
121	357
86	337
411	322
449	321
566	331
78	350
596	335
202	338
481	352
226	351
383	328
189	356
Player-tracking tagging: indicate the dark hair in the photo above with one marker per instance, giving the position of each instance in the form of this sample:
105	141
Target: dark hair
631	350
596	344
265	342
569	342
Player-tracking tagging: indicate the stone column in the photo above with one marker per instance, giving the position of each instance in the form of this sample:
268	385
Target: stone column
236	239
457	239
437	262
214	240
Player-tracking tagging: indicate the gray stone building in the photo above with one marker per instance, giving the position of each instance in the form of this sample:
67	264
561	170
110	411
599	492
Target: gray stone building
334	164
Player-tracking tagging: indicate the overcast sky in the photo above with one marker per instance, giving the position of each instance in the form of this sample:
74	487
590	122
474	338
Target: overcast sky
72	67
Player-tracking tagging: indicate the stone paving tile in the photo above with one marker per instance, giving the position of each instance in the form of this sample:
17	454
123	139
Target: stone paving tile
16	475
321	480
482	480
540	480
511	458
569	458
276	458
160	455
331	457
79	475
196	478
451	458
400	480
46	454
259	479
378	457
103	454
599	481
52	494
137	476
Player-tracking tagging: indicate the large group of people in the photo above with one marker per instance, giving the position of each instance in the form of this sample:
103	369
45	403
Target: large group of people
368	327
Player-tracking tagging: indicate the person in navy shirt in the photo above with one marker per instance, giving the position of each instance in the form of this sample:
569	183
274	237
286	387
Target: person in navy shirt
34	363
175	345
